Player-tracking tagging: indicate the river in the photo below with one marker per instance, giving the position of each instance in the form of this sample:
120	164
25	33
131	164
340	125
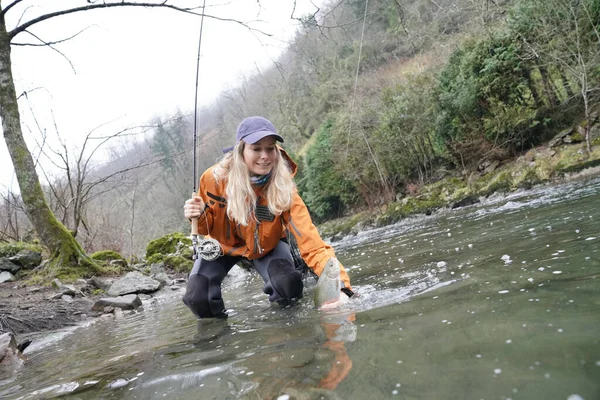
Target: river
500	300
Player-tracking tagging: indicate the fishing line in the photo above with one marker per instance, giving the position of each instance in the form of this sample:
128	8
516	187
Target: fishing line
209	249
373	156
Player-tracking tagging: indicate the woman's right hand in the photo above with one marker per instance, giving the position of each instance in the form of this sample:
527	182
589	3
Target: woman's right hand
193	207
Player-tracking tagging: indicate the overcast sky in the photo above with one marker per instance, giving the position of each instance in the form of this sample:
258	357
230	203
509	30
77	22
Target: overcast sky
131	64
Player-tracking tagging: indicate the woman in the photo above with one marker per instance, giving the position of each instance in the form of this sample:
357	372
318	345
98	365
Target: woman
247	202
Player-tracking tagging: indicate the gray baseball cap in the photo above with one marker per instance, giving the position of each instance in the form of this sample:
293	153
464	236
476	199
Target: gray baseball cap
253	129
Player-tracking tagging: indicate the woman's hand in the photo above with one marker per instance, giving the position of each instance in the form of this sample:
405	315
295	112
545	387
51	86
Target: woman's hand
193	207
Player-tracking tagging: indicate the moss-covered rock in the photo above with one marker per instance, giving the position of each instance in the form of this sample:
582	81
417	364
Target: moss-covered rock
107	255
491	184
525	178
409	206
168	244
178	263
10	249
71	273
576	167
155	259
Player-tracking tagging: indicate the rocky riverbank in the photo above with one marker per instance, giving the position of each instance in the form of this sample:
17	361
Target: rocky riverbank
563	159
31	307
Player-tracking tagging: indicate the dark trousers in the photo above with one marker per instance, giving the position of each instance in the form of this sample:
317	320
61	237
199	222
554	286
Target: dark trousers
282	282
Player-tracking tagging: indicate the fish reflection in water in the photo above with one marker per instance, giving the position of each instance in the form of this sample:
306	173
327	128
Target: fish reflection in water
303	360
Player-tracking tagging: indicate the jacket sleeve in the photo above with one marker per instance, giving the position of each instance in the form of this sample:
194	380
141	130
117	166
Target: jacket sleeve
205	222
313	249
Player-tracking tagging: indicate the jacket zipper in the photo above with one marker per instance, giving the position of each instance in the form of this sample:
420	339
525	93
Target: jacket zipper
257	248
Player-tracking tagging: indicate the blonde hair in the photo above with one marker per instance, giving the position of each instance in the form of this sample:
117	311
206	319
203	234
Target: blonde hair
241	198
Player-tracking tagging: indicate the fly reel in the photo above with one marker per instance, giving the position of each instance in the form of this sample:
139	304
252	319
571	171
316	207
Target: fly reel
209	249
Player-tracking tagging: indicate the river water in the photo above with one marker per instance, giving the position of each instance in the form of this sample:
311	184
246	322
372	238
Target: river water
495	301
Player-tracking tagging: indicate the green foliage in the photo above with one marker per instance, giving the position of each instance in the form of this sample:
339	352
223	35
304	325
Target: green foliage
487	98
324	190
168	244
405	137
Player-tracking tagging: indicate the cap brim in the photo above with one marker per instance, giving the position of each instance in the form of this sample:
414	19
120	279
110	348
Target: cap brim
256	136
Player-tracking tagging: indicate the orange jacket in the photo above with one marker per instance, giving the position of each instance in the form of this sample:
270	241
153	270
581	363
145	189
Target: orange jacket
259	238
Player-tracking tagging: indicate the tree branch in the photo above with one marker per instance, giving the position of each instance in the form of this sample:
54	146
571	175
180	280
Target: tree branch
49	44
8	7
187	10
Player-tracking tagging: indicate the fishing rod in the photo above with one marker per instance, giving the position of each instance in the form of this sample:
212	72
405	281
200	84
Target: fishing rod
208	248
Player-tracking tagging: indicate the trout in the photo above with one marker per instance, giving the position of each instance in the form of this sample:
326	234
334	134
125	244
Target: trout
328	290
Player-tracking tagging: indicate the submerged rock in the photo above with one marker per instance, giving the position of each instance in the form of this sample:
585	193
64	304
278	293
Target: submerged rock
10	357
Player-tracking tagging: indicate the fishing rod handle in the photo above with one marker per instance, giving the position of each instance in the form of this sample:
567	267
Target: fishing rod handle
194	220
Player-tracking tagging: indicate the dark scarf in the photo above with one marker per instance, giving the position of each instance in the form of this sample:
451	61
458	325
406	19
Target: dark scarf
260	180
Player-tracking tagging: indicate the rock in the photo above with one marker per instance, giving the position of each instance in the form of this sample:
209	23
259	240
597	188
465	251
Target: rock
7	265
23	345
134	282
6	276
559	139
118	263
157	272
27	259
467	201
491	167
101	283
128	302
68	290
66	298
138	266
10	357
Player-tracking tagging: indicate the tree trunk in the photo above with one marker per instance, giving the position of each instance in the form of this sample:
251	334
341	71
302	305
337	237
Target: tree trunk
550	95
65	249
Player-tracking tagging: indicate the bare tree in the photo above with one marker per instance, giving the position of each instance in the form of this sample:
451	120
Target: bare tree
80	186
12	219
